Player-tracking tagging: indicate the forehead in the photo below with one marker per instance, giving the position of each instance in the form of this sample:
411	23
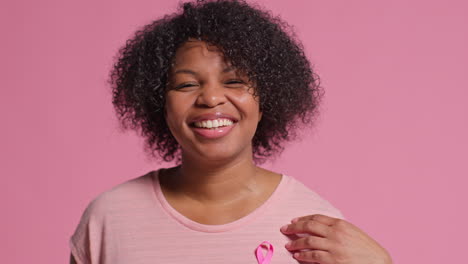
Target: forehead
194	52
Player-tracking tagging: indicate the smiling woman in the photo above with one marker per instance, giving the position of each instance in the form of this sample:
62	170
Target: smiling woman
219	88
210	108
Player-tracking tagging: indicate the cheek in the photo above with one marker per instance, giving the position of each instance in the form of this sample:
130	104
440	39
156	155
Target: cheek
250	112
248	105
172	113
254	110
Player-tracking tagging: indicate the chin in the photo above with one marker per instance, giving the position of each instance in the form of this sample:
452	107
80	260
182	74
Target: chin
217	153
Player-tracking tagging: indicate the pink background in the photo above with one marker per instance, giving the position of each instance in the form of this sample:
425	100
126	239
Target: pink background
390	150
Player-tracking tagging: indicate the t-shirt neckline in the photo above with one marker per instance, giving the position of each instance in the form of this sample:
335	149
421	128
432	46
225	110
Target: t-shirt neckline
189	223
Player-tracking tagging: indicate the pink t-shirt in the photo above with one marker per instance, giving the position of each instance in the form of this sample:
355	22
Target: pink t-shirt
133	223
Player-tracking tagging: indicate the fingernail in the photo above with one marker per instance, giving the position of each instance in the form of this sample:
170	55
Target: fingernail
284	228
288	244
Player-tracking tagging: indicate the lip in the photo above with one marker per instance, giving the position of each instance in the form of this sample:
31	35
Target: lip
212	116
213	133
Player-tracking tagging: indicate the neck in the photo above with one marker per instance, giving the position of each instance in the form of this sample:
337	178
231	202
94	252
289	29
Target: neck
217	182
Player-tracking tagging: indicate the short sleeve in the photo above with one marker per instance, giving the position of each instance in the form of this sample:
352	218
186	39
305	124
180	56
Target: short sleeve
87	240
338	214
332	210
313	202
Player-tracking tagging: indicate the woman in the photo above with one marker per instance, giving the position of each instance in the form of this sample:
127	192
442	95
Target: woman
218	88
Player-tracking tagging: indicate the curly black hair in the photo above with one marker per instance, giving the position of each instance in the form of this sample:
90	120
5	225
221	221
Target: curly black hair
251	39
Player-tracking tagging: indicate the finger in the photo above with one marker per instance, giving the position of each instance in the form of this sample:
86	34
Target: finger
314	256
307	227
325	219
310	242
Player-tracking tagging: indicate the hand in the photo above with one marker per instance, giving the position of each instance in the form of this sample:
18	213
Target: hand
333	241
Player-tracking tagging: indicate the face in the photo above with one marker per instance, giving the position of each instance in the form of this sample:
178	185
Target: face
210	107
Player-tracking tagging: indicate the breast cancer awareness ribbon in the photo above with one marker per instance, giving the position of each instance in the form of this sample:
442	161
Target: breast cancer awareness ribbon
264	259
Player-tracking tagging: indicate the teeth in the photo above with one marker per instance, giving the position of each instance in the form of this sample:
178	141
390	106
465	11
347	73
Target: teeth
213	123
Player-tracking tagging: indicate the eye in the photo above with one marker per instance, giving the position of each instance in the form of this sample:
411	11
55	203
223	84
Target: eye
185	85
235	82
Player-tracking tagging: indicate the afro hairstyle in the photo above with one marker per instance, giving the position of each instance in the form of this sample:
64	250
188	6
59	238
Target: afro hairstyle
251	39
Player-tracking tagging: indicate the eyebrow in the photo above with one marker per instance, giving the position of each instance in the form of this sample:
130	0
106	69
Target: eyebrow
187	71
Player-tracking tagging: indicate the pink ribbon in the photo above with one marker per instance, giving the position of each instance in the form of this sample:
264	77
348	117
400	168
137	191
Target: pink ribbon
264	259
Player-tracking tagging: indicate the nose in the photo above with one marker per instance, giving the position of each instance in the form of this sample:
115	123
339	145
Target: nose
211	95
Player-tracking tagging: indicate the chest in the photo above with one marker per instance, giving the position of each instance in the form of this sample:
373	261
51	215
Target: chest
215	215
206	248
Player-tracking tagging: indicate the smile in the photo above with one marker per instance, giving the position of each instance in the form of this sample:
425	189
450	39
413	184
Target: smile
213	124
213	129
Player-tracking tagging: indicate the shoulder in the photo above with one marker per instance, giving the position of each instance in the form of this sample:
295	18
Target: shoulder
121	196
106	212
303	195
